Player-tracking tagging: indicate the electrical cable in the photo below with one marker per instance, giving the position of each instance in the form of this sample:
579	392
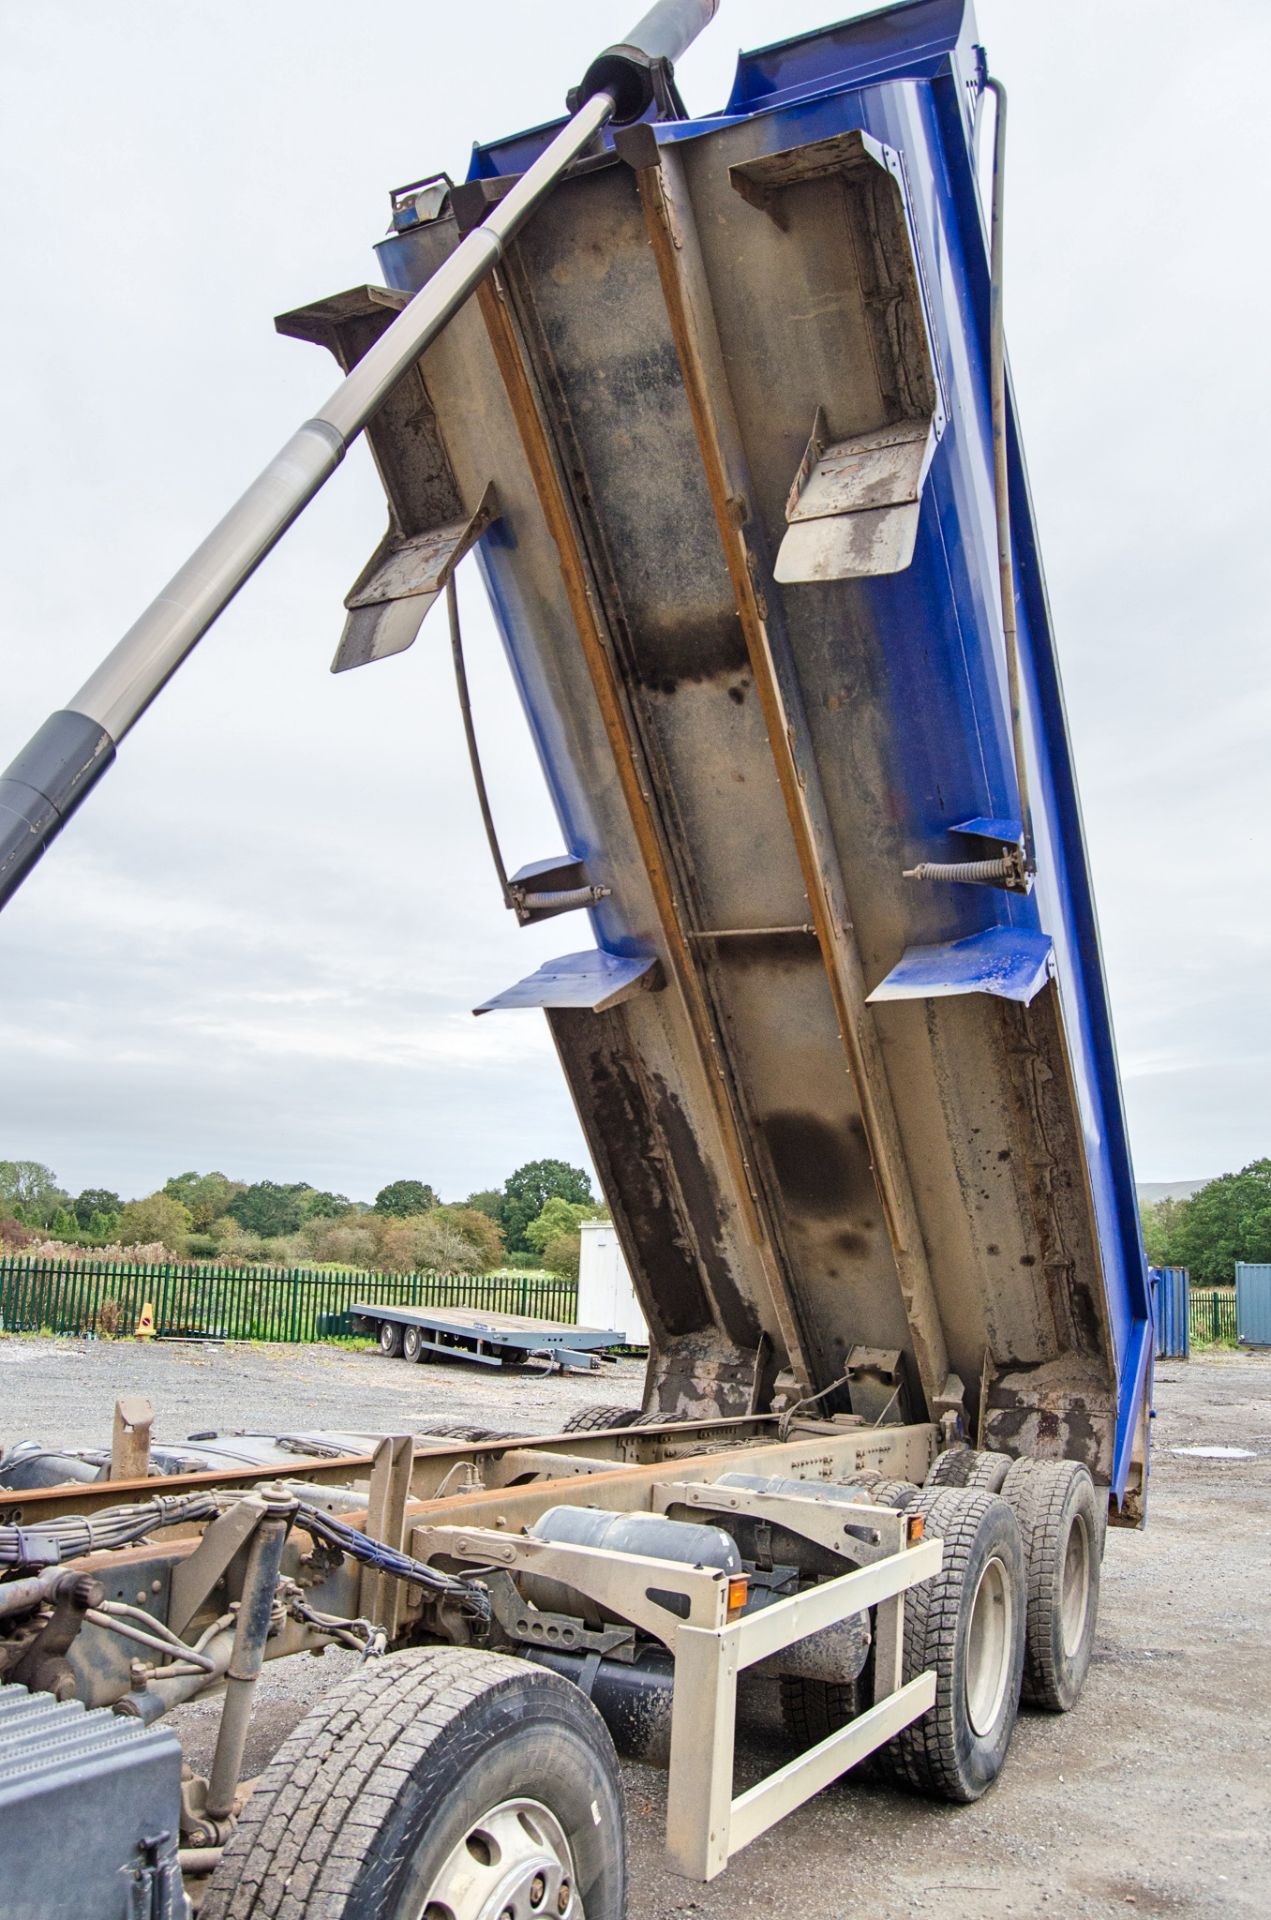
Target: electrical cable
49	1542
474	1600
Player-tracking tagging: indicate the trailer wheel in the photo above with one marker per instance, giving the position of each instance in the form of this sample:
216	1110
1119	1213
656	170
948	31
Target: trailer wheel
434	1783
968	1624
964	1467
413	1344
1058	1513
390	1339
600	1419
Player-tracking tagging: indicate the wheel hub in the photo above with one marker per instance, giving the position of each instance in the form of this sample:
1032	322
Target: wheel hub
990	1637
1075	1590
514	1863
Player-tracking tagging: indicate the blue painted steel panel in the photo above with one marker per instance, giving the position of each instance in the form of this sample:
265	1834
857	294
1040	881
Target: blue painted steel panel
1171	1312
1253	1304
1012	962
912	77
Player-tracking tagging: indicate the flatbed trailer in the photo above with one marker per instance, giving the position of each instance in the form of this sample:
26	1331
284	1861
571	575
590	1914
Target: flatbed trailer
720	404
487	1339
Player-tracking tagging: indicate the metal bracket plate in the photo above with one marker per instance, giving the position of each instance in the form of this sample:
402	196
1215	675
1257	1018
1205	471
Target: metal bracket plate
390	598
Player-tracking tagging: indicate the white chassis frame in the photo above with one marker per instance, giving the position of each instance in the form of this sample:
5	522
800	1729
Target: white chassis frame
706	1825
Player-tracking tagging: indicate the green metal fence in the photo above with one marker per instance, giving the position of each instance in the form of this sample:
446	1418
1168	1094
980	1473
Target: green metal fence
1213	1317
263	1303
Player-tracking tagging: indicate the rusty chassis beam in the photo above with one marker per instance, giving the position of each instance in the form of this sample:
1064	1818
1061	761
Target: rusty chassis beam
430	1467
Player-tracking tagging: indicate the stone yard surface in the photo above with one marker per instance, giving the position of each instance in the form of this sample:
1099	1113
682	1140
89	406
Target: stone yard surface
1153	1797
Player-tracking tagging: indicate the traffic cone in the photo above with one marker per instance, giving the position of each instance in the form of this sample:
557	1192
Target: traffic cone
144	1329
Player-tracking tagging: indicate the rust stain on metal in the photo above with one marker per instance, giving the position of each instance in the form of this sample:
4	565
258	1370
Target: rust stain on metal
667	216
636	787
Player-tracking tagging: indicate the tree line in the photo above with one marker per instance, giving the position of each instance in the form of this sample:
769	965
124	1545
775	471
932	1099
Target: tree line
1227	1220
533	1218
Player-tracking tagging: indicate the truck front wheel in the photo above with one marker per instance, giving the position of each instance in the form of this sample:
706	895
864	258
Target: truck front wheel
433	1784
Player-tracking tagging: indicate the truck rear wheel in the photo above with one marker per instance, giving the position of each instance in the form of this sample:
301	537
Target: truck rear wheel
1058	1513
964	1467
434	1785
390	1339
601	1419
968	1624
812	1710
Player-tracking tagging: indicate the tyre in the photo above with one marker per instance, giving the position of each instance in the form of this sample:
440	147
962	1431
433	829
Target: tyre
1059	1519
458	1430
441	1782
599	1419
813	1709
964	1467
892	1493
413	1344
390	1339
968	1624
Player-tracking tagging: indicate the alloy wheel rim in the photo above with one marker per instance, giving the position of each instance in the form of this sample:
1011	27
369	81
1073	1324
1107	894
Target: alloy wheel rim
513	1863
990	1639
1075	1586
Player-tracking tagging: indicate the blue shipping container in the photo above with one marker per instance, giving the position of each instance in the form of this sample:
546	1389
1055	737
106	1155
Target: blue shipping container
1253	1304
1170	1312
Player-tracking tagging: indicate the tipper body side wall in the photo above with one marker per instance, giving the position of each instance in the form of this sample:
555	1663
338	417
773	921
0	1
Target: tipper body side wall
731	390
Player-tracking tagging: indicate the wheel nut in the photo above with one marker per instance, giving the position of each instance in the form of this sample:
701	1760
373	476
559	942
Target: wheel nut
538	1887
562	1898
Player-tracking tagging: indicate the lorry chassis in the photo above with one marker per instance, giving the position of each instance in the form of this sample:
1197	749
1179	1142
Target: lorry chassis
468	1548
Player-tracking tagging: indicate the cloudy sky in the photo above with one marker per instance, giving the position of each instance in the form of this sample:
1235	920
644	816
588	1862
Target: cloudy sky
258	947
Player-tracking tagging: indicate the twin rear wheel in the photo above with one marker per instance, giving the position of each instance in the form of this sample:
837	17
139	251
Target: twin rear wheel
434	1785
1010	1615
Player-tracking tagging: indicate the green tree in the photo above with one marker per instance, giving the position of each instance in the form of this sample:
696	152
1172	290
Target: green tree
62	1224
96	1203
1226	1221
207	1195
422	1243
317	1204
527	1191
27	1183
477	1229
403	1198
488	1201
267	1209
157	1217
29	1191
559	1217
563	1255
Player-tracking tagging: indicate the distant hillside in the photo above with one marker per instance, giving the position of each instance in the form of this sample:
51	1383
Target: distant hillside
1150	1191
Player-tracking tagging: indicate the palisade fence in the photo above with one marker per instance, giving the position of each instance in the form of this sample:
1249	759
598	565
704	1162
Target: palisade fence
260	1303
1212	1316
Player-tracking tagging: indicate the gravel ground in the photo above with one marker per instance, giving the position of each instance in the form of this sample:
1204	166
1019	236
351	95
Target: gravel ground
1151	1798
64	1391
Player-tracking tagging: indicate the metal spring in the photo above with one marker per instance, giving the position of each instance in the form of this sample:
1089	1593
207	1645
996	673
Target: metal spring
968	872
